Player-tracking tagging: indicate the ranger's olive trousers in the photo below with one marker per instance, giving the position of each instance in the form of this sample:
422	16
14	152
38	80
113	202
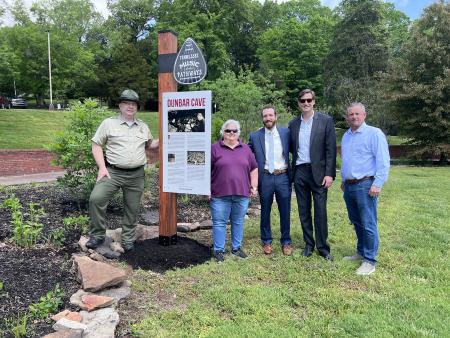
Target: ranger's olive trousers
132	185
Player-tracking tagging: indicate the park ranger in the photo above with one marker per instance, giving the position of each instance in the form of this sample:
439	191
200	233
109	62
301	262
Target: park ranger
125	140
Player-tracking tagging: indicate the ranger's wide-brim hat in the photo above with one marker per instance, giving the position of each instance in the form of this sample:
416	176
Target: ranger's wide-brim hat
129	95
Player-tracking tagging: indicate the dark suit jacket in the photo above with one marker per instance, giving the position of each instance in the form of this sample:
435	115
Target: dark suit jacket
258	145
322	146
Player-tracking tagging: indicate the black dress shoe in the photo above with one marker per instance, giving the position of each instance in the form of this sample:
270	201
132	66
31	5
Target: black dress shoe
94	243
307	251
327	257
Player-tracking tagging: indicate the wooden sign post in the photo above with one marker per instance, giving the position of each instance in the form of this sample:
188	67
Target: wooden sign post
167	53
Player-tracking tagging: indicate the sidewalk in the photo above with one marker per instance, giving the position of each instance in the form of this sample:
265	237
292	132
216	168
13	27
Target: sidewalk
31	178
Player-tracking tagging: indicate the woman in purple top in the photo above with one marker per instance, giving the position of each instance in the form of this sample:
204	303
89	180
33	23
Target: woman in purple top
234	177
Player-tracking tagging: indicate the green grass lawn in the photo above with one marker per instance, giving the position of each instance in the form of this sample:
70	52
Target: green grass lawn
277	296
35	128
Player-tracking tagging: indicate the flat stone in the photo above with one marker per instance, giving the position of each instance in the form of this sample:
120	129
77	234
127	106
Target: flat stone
90	301
93	302
75	299
82	243
97	257
60	315
115	235
116	247
105	251
96	276
144	232
66	324
150	217
117	293
78	333
75	316
206	224
101	323
188	227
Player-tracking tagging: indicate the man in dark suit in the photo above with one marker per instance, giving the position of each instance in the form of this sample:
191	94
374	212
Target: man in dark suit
271	148
313	148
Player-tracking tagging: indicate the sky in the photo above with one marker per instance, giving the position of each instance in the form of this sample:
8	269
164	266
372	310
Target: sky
412	8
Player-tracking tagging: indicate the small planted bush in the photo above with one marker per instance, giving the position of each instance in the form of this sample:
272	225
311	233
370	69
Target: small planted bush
47	304
73	148
77	223
17	326
25	232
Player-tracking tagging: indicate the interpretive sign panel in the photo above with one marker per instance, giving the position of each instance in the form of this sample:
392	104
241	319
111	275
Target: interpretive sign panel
187	142
190	65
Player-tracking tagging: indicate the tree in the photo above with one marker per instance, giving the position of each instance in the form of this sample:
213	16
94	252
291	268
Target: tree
241	97
291	52
420	83
359	54
128	69
73	17
71	64
132	18
8	64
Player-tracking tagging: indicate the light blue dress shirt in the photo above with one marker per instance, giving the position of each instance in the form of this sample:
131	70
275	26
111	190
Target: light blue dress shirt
304	141
365	152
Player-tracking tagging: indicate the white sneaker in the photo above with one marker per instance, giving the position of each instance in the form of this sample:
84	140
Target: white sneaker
365	269
355	257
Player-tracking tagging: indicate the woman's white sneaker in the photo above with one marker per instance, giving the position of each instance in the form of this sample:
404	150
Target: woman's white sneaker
365	269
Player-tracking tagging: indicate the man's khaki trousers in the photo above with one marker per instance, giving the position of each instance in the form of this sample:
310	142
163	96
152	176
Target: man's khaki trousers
132	185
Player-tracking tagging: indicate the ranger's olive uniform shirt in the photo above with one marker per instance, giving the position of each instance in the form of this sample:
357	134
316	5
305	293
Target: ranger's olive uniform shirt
125	145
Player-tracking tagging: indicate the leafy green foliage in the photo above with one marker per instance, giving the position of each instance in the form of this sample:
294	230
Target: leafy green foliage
292	51
364	41
25	232
73	148
79	223
57	237
241	98
47	304
420	83
17	326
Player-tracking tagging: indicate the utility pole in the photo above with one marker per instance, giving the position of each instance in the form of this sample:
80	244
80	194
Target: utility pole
50	107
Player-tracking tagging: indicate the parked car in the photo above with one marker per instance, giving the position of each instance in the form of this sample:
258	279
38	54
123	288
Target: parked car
18	103
5	102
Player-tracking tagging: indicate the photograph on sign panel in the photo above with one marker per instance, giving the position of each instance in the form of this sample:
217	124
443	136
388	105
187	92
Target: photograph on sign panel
182	121
171	158
196	157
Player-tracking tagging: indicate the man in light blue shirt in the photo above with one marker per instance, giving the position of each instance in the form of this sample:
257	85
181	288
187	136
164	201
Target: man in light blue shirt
365	168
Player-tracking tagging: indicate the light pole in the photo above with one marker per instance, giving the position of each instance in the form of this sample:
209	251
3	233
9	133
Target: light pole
50	107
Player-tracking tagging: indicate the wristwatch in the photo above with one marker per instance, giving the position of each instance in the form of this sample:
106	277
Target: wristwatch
254	188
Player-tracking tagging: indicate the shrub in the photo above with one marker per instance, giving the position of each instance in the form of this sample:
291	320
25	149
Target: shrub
25	233
17	326
78	223
47	304
73	148
57	237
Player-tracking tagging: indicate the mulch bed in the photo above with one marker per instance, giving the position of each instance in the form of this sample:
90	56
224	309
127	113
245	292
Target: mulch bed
28	274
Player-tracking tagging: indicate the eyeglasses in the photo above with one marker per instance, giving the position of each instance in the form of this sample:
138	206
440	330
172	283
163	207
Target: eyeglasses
306	100
229	131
